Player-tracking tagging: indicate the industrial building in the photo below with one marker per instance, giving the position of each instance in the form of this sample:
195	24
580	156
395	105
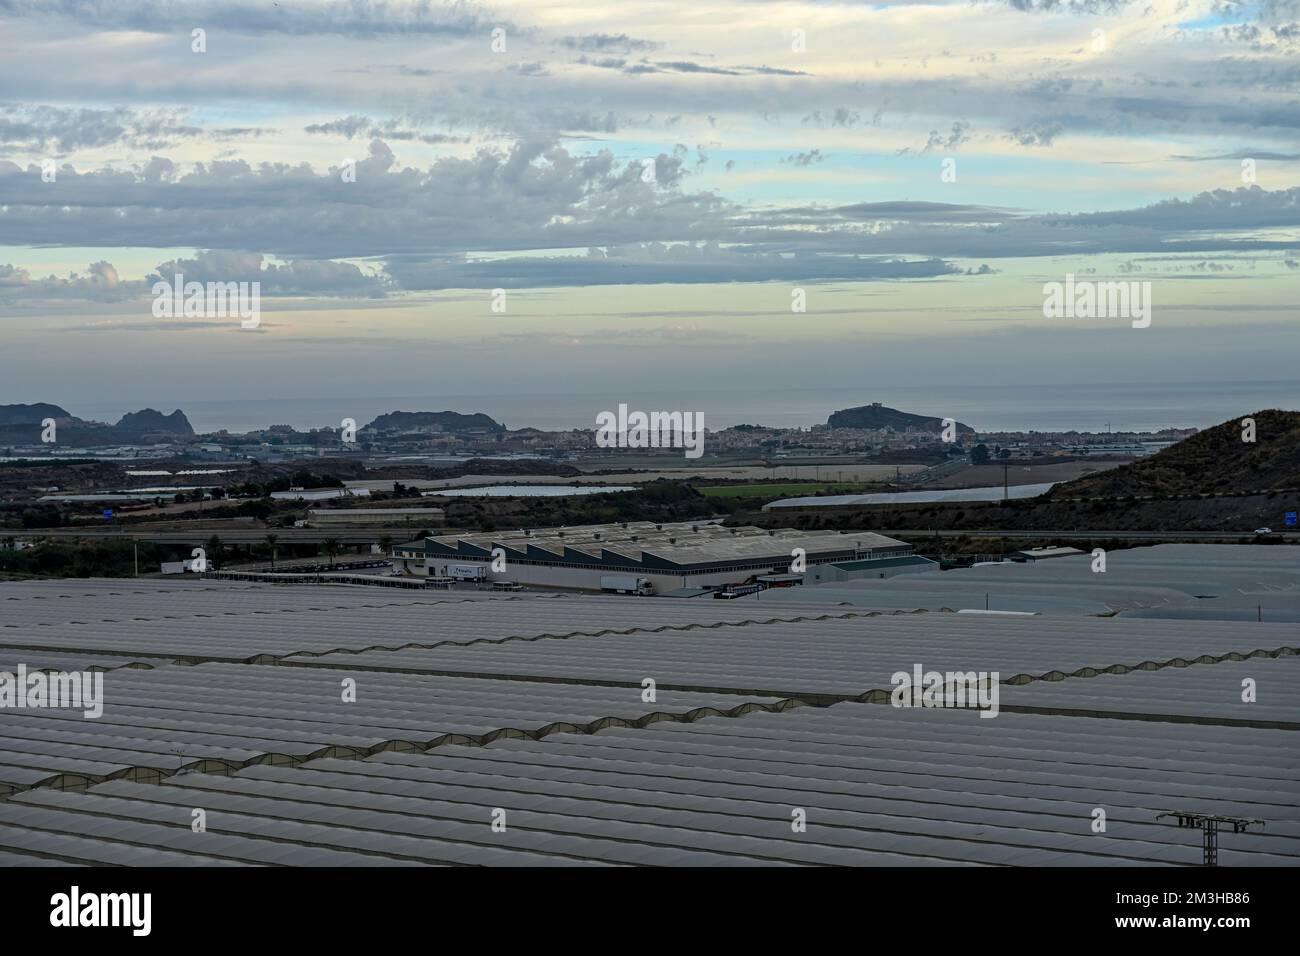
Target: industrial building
669	556
841	571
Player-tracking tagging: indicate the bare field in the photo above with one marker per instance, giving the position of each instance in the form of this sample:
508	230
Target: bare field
847	472
986	476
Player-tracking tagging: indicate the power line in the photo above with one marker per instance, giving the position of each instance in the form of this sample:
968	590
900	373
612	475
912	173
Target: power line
1209	829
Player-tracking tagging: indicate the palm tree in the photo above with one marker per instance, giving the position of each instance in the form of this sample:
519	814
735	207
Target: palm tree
271	539
386	544
332	548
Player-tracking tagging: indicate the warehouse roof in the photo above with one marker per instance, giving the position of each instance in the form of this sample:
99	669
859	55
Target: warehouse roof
1207	582
680	544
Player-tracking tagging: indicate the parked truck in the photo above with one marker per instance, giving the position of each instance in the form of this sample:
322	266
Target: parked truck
467	572
626	584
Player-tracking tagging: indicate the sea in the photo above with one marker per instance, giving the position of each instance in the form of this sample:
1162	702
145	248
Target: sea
1090	406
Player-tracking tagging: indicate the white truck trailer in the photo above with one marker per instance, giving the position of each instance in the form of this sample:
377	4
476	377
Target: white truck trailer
626	584
467	572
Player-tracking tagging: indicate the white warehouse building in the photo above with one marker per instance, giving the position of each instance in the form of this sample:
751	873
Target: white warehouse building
668	556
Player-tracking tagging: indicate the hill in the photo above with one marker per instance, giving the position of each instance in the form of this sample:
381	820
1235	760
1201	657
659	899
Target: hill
147	421
30	414
448	421
876	415
1214	461
21	425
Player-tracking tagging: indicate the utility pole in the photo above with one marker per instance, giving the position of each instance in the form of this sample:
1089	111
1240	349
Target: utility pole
1006	491
1209	830
135	546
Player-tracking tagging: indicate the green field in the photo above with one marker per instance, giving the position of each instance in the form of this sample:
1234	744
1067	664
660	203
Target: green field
790	490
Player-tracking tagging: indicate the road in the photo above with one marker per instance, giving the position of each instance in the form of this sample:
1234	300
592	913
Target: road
355	536
346	536
1228	536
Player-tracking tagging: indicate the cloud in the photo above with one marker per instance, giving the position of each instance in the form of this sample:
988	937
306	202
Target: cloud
353	18
434	224
689	67
1264	154
353	126
651	263
607	43
960	134
536	194
1038	133
1069	6
805	159
59	130
1244	208
299	277
101	282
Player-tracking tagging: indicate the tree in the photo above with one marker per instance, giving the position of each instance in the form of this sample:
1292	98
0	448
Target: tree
386	544
271	539
213	549
979	455
1004	454
332	546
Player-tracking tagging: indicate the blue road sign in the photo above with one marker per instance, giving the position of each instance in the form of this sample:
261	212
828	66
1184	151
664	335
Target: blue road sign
1290	518
108	512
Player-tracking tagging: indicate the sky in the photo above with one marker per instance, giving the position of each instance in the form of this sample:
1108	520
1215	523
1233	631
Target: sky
547	197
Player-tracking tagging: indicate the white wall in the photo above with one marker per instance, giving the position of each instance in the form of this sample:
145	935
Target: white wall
583	578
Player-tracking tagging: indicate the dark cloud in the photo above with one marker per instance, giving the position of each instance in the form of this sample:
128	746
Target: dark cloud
1069	6
1040	133
1244	208
60	130
805	159
351	127
959	135
607	43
